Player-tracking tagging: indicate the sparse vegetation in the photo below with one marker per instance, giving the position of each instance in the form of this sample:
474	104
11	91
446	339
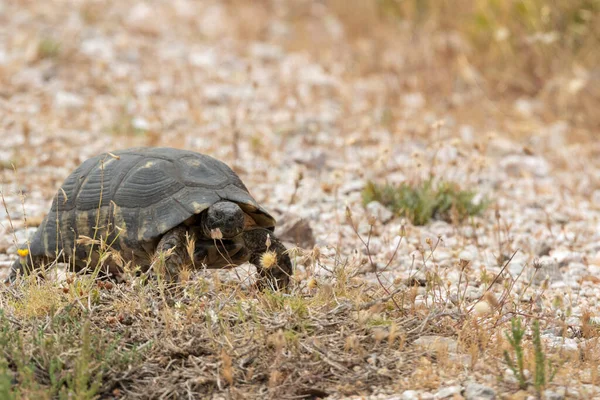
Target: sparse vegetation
544	372
505	49
426	200
129	336
48	48
515	338
59	355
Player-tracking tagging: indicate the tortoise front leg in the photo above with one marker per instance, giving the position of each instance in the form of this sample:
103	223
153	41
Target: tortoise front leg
277	275
173	247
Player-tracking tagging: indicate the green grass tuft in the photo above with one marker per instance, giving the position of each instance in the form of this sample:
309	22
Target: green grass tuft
422	202
48	48
515	338
61	358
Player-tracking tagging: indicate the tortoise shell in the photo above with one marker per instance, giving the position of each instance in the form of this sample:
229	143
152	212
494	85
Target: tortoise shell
132	197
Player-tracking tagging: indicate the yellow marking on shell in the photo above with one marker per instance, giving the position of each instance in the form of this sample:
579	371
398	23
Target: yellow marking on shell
148	164
199	207
119	224
118	219
65	233
163	227
142	230
82	222
100	223
193	162
45	242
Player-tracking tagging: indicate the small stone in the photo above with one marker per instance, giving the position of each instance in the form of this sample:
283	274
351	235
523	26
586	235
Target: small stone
566	344
413	100
518	165
549	269
311	159
543	248
353	186
577	270
140	123
296	230
501	146
476	391
315	75
410	395
447	392
98	48
266	51
466	255
467	133
144	19
596	197
527	107
550	395
564	257
205	58
433	342
509	376
442	255
145	89
379	211
516	267
563	284
67	100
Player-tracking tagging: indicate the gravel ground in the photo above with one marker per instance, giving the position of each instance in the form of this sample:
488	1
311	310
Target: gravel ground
305	130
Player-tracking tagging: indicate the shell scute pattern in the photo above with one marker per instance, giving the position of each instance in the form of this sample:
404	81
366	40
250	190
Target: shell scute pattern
134	196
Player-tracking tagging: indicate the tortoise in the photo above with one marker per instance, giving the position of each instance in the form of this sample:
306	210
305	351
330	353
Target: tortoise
189	207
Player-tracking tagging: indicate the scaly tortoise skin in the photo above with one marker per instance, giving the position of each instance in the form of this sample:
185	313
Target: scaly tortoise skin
147	200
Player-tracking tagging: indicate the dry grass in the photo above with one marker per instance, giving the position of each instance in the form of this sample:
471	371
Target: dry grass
491	51
335	335
339	337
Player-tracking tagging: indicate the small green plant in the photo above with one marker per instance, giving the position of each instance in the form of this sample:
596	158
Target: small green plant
515	338
541	376
540	358
426	200
48	48
62	358
542	368
5	380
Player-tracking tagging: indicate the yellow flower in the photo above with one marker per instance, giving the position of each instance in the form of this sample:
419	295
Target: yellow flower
268	259
23	252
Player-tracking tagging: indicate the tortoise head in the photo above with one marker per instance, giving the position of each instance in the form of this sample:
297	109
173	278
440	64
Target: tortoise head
226	216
